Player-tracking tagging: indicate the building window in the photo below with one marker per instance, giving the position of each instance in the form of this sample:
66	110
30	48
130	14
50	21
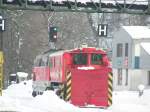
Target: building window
119	50
137	62
126	49
119	76
149	78
126	83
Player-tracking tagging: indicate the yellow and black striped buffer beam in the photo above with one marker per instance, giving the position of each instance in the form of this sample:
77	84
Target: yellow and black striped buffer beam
62	94
68	86
110	88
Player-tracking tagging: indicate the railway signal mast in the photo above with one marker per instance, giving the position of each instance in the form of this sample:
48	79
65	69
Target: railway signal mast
2	28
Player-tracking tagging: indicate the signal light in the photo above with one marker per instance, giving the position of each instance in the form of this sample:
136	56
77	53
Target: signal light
53	34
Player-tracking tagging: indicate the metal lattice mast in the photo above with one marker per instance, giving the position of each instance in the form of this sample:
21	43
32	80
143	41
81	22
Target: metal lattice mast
149	6
101	6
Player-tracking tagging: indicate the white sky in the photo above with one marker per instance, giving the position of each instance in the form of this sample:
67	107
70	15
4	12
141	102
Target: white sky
18	98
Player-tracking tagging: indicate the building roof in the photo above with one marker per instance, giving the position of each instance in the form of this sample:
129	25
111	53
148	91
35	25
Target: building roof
138	32
146	46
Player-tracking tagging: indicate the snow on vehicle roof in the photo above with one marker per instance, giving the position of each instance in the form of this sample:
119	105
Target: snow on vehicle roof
57	53
22	74
76	50
103	1
146	46
12	74
138	32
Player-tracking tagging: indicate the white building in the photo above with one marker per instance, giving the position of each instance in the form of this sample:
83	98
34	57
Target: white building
131	57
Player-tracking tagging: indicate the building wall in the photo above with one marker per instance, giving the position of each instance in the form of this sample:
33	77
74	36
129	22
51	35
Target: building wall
135	54
135	78
119	62
139	77
121	37
137	60
115	80
138	51
144	59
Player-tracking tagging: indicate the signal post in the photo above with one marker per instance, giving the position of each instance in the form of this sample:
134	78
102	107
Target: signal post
1	72
2	28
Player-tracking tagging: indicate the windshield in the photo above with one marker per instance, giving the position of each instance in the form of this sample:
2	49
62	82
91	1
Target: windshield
80	59
96	59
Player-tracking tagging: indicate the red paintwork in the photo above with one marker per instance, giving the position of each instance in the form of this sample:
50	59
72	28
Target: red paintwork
57	71
41	73
88	86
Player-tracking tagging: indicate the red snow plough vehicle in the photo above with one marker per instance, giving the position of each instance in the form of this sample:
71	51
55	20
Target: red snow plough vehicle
81	76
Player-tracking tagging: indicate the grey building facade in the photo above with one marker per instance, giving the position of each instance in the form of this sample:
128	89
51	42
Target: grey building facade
130	60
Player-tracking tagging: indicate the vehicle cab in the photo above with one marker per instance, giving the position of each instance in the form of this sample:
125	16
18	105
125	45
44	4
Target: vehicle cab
89	59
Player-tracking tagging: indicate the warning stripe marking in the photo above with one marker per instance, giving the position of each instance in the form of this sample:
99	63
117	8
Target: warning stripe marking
68	75
110	84
68	86
109	90
110	77
68	97
69	83
69	90
109	102
62	91
110	81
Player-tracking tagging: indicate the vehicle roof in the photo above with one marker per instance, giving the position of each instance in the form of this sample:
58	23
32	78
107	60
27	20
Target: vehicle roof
78	50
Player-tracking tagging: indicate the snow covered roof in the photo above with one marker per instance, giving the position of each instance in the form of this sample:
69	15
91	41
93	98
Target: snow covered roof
138	32
146	46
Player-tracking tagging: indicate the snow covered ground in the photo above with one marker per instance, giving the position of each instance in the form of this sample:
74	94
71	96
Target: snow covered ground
17	97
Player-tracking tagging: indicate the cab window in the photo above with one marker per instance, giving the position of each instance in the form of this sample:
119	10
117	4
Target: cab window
96	59
80	59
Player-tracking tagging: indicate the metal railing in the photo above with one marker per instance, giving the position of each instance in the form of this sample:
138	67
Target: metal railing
88	6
